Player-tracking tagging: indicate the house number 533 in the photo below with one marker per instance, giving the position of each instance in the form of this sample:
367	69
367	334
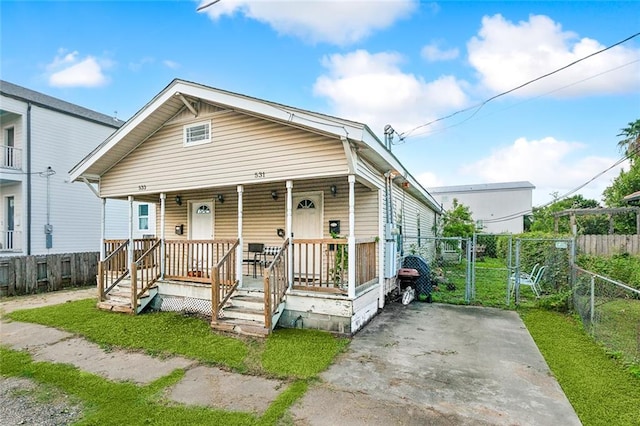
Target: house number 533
260	175
142	187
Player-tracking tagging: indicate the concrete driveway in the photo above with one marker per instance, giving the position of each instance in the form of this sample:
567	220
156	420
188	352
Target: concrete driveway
432	364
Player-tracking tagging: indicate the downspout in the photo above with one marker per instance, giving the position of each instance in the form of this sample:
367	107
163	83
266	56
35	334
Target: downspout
29	179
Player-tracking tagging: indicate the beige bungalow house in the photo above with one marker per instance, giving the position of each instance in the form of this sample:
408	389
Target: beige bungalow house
266	214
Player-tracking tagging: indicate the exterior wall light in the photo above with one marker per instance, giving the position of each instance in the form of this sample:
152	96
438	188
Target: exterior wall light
274	194
178	200
334	190
221	198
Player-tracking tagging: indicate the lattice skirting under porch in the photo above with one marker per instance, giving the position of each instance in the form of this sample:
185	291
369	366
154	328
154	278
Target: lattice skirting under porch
186	304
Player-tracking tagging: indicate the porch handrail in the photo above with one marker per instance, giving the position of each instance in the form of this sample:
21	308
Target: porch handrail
112	269
148	264
223	281
193	260
274	294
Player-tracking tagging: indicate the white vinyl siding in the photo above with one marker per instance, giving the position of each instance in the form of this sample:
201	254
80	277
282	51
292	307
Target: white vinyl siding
245	150
58	141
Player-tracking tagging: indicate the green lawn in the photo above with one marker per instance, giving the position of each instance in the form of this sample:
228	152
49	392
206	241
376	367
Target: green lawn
295	356
600	389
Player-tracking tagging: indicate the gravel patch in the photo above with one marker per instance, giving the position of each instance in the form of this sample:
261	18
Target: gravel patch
24	402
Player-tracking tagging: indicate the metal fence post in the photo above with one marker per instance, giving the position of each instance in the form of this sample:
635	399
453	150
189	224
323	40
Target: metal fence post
516	281
592	304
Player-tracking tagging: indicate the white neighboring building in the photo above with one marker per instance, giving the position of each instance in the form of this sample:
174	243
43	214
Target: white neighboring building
496	207
40	211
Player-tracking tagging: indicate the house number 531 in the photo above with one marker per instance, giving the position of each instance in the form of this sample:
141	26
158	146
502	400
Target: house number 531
260	175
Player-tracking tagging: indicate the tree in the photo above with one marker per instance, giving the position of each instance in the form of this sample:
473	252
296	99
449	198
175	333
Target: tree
458	221
543	219
631	142
627	182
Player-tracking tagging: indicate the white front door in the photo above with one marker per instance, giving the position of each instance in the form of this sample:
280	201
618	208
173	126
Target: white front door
307	224
201	220
201	229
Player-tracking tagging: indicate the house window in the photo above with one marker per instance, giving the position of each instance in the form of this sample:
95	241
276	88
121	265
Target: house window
143	216
197	133
203	209
306	204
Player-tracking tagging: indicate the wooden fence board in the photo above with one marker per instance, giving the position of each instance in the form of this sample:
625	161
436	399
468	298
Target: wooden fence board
608	245
20	273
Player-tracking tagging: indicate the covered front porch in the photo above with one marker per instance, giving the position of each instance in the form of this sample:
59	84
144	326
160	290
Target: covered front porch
200	277
269	273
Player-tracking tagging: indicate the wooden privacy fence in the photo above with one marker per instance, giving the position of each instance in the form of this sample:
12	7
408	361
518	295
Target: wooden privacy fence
34	274
607	245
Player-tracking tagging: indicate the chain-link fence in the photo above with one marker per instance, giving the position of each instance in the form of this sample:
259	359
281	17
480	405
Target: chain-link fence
449	261
541	267
492	257
610	312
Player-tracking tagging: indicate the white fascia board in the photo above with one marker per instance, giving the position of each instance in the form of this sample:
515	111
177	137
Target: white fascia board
119	134
267	109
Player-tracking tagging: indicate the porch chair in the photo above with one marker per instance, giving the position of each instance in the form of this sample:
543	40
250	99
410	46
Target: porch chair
269	253
531	281
254	257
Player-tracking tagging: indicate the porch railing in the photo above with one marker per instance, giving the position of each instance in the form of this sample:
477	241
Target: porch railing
140	246
275	283
223	280
322	264
366	261
145	271
193	260
112	269
11	157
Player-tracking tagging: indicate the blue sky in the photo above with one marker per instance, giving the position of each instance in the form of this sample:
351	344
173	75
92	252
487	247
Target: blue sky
402	63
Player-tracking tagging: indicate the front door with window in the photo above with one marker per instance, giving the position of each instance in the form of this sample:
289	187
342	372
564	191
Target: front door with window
307	224
201	228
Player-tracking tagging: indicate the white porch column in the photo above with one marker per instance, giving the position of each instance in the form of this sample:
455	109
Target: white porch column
239	253
290	231
381	246
163	199
352	237
103	227
131	243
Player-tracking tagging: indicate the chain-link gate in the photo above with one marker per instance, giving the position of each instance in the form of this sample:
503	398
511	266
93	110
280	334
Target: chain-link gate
449	261
507	270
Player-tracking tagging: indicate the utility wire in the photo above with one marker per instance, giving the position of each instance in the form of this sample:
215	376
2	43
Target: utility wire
482	104
443	129
560	198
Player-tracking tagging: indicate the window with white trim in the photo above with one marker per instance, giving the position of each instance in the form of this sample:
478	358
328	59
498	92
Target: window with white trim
197	133
143	216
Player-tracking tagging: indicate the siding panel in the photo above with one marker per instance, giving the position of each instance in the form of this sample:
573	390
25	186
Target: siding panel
242	146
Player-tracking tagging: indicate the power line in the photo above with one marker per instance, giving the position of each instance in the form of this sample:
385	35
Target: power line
560	198
441	130
482	104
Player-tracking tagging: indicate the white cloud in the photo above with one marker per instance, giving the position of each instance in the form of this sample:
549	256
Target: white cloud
171	64
332	21
433	53
68	70
429	180
371	88
137	66
507	55
548	163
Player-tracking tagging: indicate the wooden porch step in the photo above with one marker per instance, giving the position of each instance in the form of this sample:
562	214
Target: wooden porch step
237	326
119	299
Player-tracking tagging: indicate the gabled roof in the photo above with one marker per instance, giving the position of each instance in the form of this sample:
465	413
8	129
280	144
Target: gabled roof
45	101
174	98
